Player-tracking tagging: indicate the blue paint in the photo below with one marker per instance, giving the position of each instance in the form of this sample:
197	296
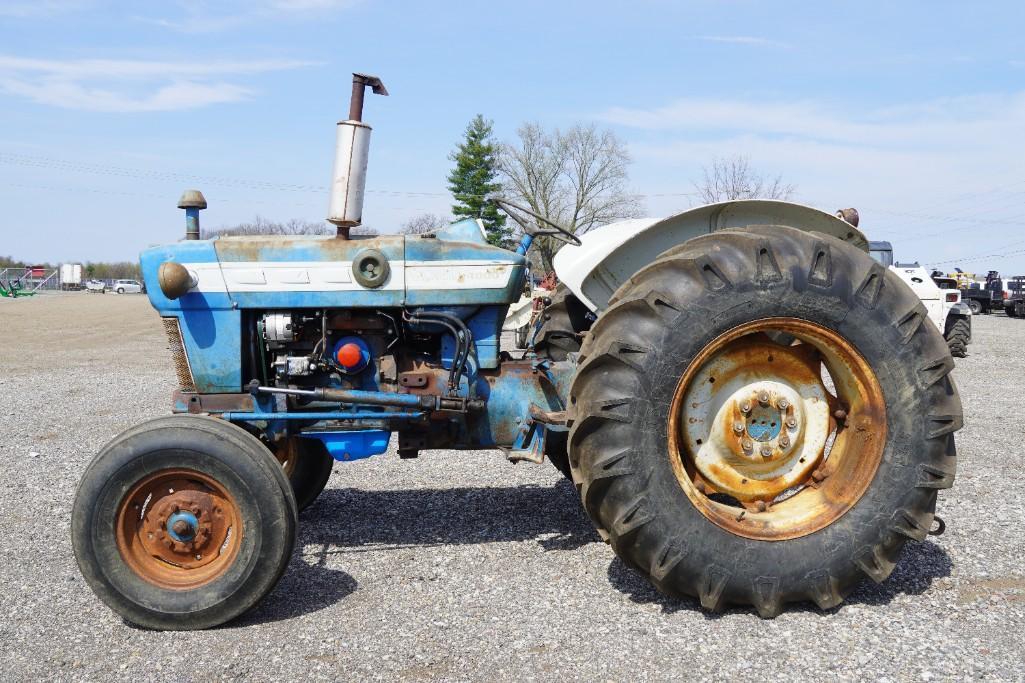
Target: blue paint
764	424
353	445
192	220
364	352
466	230
486	327
524	245
188	518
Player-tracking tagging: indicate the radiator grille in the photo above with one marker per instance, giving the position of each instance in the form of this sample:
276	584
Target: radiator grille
178	355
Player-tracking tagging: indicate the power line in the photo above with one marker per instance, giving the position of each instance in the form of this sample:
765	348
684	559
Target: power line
101	169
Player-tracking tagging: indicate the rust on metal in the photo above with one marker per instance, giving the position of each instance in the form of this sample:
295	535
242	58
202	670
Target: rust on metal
179	529
793	469
213	403
414	379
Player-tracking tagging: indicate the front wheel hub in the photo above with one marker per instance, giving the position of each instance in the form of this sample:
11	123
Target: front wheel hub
182	526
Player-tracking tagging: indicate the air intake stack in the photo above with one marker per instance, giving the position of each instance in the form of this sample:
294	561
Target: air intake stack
352	148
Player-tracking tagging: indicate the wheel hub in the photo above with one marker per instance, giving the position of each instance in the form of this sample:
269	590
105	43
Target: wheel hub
177	529
769	420
757	434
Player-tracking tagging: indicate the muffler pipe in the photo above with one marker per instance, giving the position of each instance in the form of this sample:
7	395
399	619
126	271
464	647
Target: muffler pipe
352	151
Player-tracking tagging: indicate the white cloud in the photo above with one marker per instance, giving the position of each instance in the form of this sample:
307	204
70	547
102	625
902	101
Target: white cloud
913	170
905	125
744	40
123	85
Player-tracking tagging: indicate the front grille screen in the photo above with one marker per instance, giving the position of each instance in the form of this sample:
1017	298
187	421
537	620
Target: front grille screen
178	355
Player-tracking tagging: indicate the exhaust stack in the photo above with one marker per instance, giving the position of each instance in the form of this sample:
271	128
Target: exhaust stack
352	149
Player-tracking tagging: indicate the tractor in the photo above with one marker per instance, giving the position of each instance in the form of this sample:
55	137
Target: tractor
752	410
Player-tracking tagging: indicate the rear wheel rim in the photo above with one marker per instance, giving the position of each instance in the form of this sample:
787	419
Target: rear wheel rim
179	529
759	443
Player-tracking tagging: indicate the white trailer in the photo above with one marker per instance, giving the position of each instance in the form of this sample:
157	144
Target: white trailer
71	276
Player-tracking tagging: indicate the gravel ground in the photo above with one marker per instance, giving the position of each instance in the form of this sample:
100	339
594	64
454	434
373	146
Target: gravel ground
459	565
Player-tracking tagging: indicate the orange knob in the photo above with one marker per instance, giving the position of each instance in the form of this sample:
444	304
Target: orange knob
349	355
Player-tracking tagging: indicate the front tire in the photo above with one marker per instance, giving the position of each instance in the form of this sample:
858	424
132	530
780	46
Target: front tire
563	324
308	466
652	420
183	523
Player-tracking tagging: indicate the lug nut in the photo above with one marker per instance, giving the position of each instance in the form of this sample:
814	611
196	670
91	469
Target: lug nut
763	397
782	404
748	445
738	427
745	407
784	442
766	451
792	423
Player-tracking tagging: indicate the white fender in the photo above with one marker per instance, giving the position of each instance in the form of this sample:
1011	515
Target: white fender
609	255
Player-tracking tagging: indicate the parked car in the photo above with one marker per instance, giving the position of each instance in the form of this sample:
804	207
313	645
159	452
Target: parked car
96	286
127	287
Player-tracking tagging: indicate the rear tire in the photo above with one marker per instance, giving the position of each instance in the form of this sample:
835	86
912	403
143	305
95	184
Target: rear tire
975	306
237	542
958	337
641	349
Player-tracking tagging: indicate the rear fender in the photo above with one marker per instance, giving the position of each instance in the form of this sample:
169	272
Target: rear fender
611	254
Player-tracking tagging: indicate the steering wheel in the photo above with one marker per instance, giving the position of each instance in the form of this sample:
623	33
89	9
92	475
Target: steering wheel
556	231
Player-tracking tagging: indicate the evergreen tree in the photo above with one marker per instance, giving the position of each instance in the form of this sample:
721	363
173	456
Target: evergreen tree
475	176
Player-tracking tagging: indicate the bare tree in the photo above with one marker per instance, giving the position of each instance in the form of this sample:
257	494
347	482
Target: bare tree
577	178
733	178
262	226
293	226
425	222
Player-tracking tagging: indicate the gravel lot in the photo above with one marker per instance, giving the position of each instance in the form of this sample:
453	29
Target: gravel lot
463	566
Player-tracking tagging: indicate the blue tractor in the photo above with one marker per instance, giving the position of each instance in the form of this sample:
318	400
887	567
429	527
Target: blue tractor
753	411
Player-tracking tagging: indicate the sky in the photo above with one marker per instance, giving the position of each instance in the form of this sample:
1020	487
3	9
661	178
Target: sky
912	112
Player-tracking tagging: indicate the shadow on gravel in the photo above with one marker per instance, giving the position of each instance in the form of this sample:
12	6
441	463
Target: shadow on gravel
920	564
303	589
348	520
351	520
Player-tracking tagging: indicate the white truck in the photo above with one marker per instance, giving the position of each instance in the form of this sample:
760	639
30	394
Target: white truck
945	309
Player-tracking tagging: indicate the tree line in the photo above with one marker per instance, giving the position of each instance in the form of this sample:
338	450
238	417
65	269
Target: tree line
91	270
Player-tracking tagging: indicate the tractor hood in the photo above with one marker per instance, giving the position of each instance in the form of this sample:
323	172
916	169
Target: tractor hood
609	255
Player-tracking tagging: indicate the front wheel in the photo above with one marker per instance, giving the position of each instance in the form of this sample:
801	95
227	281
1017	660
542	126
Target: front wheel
763	416
183	523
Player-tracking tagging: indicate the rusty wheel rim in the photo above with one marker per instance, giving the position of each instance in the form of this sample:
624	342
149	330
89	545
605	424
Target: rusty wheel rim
777	428
179	529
